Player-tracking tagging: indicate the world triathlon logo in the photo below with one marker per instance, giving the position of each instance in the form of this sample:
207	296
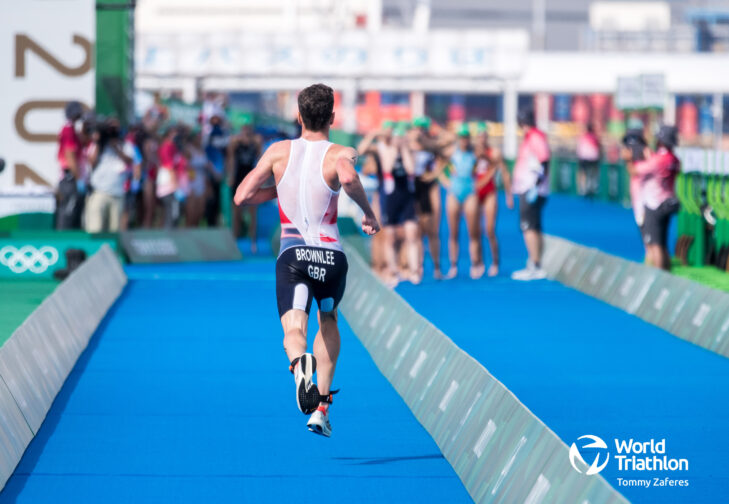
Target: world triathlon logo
28	258
596	447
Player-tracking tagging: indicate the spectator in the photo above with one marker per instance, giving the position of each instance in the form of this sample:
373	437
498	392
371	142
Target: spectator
588	160
244	150
199	169
169	174
215	151
531	183
70	188
110	171
148	143
133	183
658	176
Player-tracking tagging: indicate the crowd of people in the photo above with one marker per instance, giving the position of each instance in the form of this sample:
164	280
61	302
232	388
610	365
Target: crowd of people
157	173
163	174
412	161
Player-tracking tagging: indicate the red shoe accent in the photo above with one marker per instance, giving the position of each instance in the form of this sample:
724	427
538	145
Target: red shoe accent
323	409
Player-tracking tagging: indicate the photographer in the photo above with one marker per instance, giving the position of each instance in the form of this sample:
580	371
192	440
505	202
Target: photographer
171	176
110	166
655	177
69	194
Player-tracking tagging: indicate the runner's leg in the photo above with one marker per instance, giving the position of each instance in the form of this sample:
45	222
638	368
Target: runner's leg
326	350
294	324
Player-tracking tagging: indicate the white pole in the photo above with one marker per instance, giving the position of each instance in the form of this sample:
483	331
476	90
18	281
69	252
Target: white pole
539	22
510	112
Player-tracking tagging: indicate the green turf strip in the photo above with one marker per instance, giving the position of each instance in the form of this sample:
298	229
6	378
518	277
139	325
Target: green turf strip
707	275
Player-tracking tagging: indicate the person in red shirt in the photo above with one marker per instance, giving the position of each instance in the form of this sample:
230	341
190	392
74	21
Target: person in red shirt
69	194
531	183
170	176
657	175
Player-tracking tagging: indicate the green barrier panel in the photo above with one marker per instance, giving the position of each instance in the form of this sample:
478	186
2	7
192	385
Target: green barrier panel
179	245
686	309
36	255
499	449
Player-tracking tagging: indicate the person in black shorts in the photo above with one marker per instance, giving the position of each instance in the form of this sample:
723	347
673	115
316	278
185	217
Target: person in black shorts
425	146
396	174
244	150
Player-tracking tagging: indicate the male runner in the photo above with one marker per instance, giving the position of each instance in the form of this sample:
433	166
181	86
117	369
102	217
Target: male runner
531	183
309	172
397	197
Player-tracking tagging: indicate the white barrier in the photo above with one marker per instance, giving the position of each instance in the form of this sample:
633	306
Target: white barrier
40	354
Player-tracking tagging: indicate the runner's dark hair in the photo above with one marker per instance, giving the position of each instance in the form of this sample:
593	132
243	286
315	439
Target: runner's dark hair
316	105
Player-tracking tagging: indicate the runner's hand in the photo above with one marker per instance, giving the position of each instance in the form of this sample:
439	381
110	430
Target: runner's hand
370	225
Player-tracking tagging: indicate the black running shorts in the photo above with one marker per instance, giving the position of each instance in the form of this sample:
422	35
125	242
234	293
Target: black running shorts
398	207
304	273
530	214
655	223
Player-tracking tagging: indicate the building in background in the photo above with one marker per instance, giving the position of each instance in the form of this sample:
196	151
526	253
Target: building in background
456	60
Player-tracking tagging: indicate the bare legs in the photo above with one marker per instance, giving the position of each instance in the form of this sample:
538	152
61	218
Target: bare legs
294	324
453	215
490	211
473	225
658	257
434	232
326	343
533	241
326	350
454	208
412	237
410	244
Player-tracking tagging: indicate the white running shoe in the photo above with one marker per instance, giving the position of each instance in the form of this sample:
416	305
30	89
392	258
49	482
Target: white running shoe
319	422
307	395
531	272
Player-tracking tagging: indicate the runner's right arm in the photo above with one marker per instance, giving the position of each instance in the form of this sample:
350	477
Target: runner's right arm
251	190
351	184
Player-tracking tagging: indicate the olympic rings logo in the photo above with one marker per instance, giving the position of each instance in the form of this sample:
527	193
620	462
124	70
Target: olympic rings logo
28	258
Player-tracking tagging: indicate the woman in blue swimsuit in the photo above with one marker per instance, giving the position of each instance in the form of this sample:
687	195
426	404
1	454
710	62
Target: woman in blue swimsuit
462	200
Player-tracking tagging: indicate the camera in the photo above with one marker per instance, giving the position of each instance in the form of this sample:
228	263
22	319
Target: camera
636	142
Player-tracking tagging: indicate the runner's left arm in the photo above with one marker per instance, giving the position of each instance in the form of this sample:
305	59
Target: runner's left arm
351	184
251	190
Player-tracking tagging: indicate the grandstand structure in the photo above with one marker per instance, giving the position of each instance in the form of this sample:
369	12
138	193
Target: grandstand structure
474	48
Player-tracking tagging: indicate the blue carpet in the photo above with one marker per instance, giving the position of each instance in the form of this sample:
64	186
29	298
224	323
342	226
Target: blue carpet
184	396
585	367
